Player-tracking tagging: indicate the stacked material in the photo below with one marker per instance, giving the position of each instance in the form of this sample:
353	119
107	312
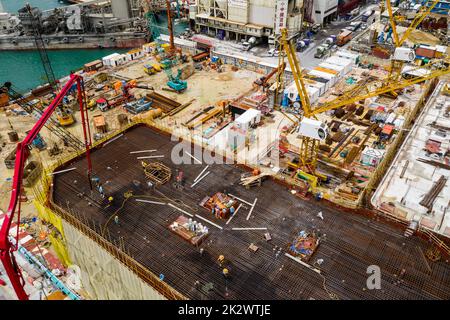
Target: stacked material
190	230
304	245
221	204
323	77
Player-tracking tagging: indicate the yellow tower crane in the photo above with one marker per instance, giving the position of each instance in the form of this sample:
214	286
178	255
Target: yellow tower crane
404	54
313	131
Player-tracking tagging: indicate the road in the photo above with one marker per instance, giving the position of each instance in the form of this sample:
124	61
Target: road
306	58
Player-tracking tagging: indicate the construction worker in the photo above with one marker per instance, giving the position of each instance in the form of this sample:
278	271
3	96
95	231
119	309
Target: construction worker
221	260
116	220
225	273
110	200
232	211
100	189
180	177
217	210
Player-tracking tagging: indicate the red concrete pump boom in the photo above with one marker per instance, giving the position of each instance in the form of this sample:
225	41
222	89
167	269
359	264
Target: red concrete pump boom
22	152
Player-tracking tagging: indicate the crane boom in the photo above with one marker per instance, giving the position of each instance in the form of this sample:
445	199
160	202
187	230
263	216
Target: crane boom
337	103
296	71
22	154
424	11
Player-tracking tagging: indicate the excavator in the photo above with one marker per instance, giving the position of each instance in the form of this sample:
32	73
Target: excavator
175	83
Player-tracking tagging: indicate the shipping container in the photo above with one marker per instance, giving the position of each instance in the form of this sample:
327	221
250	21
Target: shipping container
426	52
337	68
346	63
93	66
348	55
326	75
316	84
325	82
331	71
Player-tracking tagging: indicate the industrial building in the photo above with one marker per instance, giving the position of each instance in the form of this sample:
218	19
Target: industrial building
190	168
241	19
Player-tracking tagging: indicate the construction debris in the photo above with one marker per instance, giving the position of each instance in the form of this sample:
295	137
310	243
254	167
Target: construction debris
431	196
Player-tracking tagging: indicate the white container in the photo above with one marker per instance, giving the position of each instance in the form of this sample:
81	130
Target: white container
313	94
335	67
404	54
249	117
325	75
346	63
313	129
347	55
114	60
318	85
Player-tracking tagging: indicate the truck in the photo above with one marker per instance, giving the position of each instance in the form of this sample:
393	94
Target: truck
250	43
344	37
103	104
321	51
368	16
354	26
331	40
138	106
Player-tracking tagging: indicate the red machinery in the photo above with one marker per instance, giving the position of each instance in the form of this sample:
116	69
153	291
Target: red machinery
22	152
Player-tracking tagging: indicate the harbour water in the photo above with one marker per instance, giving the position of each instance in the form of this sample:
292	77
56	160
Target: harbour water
24	68
12	6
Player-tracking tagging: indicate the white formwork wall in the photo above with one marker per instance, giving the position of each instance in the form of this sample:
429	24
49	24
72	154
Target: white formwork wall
238	10
104	277
262	12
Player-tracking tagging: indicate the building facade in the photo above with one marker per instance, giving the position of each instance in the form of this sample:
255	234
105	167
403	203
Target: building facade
325	11
239	20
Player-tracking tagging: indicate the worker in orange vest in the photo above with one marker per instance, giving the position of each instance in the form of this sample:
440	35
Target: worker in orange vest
221	260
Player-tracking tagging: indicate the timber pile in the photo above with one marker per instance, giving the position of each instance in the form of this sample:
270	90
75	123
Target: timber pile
164	103
246	181
431	196
435	163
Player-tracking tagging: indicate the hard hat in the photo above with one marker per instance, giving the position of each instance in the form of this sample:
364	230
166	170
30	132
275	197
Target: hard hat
110	198
225	271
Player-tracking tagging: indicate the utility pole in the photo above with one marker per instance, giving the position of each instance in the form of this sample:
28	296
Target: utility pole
170	27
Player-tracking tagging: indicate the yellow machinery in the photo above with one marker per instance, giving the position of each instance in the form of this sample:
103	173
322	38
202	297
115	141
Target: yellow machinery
64	118
313	131
397	63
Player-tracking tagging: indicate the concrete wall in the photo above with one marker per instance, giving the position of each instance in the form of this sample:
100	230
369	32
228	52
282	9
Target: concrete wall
262	12
238	10
120	9
103	276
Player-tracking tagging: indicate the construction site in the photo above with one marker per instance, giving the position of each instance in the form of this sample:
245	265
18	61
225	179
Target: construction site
188	168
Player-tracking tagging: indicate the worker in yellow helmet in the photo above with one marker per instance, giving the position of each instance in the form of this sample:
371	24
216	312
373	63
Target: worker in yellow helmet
110	199
225	272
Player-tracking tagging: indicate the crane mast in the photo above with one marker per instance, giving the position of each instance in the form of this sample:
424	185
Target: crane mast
313	131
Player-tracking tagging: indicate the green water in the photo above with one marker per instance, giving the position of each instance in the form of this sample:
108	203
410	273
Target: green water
13	5
24	68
